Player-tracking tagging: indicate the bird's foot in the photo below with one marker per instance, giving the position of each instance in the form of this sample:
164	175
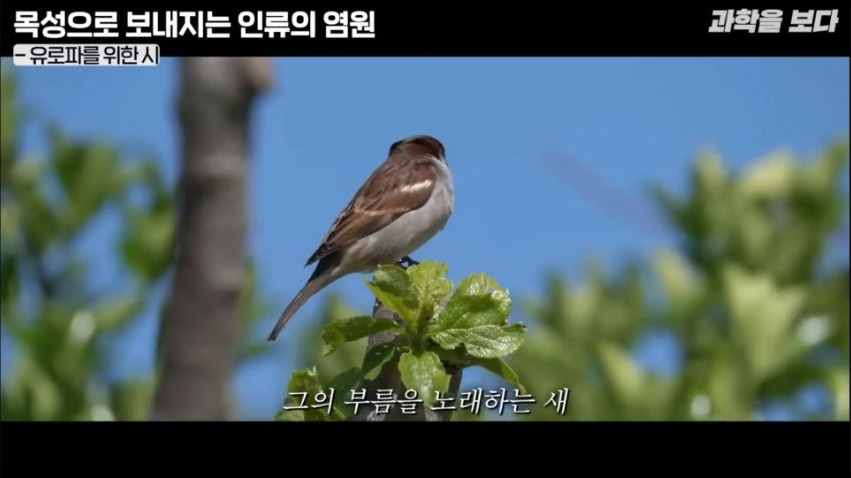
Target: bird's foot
406	262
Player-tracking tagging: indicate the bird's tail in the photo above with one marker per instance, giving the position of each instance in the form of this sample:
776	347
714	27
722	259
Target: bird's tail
313	285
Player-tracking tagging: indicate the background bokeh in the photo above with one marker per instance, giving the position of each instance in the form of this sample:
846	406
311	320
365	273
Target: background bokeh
674	232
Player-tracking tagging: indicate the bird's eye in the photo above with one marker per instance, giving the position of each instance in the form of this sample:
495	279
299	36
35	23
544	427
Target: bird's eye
395	145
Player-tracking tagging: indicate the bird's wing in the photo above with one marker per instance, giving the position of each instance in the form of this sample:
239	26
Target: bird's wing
393	189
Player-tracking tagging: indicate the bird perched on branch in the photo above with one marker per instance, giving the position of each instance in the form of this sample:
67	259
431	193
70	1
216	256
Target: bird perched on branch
403	204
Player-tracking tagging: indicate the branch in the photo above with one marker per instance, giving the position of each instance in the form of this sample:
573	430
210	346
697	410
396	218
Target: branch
605	196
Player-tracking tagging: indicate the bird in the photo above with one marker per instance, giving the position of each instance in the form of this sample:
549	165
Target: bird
403	204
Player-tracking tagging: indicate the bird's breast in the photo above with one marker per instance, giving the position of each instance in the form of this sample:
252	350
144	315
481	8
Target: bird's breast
410	231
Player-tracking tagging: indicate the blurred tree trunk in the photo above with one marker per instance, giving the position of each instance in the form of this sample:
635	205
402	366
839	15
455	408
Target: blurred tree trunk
200	328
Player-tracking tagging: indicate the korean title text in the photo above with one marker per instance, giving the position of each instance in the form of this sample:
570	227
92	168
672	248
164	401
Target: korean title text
198	24
771	21
498	400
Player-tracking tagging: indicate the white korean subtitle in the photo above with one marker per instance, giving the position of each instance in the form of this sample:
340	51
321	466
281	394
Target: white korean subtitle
771	21
205	24
86	55
55	24
500	401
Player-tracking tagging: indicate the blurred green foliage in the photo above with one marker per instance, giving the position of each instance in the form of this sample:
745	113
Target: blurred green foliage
757	310
61	326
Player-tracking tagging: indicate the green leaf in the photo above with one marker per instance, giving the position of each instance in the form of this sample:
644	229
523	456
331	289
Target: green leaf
463	312
770	176
478	300
838	381
392	286
480	284
41	222
10	217
147	242
484	341
345	381
343	384
680	284
375	359
339	332
624	375
10	286
303	382
425	374
763	315
430	282
130	400
454	356
116	312
501	368
87	173
9	125
477	316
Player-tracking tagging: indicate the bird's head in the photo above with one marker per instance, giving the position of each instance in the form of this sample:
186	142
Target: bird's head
420	144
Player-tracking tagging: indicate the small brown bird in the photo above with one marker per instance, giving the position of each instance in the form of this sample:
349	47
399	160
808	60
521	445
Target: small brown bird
403	204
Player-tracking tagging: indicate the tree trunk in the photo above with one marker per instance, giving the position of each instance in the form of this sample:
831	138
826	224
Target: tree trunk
201	323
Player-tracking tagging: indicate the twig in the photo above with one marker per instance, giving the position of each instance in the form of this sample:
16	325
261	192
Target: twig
606	197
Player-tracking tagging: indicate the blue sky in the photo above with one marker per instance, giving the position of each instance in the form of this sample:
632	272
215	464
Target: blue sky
329	122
